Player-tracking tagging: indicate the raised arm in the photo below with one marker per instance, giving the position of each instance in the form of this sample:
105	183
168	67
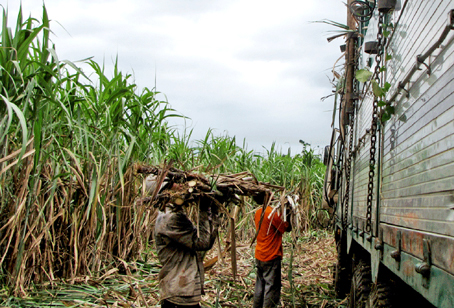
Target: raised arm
180	229
279	224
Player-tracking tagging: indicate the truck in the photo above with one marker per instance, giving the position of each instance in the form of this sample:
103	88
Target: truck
390	162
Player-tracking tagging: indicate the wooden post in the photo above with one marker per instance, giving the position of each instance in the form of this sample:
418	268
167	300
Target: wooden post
220	254
350	58
233	241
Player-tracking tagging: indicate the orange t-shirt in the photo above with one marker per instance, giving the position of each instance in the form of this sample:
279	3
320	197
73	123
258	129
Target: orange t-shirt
269	238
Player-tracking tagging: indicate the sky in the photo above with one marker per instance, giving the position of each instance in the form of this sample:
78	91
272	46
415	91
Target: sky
256	70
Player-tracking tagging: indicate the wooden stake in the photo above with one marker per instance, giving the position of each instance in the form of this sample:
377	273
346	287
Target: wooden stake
220	255
233	250
233	240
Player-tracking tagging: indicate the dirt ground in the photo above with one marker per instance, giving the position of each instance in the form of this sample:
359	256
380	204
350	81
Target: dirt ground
307	271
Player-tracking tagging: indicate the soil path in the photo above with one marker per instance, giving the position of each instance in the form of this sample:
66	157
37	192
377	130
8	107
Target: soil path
306	281
307	272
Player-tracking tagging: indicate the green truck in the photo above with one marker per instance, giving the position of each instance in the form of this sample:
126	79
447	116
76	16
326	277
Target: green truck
390	164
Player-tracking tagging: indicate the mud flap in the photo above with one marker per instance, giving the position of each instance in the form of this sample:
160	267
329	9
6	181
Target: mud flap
374	263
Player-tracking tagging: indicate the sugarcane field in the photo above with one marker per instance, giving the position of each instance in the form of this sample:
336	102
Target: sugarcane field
130	277
106	202
86	169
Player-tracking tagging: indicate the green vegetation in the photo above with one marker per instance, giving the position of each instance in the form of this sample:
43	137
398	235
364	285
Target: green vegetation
69	145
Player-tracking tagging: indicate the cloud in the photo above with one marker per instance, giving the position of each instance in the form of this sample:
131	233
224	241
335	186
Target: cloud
255	69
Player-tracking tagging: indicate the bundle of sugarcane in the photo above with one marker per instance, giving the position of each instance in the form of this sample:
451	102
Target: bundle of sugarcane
168	184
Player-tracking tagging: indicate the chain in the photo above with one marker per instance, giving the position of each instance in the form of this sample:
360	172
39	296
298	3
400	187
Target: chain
348	171
350	154
373	130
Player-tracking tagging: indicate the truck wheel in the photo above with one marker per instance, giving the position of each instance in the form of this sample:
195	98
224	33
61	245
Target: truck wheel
381	296
341	276
360	287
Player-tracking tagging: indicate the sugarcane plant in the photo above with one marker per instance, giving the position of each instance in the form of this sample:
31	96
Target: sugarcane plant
69	149
67	146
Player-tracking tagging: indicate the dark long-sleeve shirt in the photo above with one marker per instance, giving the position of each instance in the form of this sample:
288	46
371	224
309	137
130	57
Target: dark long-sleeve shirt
178	247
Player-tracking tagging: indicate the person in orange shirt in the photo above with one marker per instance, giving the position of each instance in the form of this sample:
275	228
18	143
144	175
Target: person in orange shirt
268	256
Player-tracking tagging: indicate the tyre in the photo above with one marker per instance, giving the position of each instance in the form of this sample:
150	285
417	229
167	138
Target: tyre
381	296
341	275
360	286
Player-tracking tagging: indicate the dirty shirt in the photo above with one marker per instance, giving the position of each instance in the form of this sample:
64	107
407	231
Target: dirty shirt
269	238
178	246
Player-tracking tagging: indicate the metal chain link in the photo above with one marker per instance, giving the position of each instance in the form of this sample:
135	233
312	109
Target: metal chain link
373	130
348	171
350	153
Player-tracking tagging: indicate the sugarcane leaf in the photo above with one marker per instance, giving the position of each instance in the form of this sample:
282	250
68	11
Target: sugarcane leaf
363	75
22	121
381	103
385	117
378	91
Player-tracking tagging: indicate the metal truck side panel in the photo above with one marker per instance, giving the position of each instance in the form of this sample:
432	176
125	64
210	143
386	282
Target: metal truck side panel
413	207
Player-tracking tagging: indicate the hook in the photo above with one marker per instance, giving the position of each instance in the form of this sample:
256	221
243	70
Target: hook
421	61
403	88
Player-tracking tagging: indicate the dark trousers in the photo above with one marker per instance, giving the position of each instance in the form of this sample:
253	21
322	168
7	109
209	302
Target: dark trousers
268	284
167	304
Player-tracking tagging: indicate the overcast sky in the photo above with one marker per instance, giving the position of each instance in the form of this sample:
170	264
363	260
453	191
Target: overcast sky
247	68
